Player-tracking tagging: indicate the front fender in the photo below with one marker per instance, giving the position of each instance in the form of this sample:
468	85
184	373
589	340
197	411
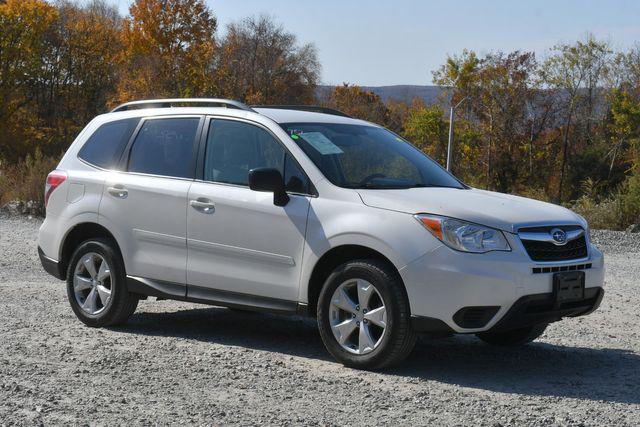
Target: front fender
395	235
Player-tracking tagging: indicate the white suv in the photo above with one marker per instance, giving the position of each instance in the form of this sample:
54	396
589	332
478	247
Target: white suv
305	210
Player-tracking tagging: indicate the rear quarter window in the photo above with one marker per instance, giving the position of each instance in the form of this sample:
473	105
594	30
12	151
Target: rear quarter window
105	146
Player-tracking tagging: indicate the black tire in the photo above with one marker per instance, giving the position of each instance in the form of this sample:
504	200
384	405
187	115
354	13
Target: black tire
122	303
515	337
398	339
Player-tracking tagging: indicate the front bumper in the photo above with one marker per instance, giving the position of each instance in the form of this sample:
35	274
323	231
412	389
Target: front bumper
527	311
445	286
534	309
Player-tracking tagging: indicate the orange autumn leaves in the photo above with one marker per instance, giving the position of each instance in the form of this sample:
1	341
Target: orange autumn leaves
168	50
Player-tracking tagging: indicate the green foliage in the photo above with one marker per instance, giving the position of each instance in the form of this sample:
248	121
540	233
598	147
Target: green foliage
428	130
624	125
614	212
593	164
458	71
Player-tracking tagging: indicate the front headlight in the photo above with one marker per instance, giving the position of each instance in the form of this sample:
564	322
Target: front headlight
464	236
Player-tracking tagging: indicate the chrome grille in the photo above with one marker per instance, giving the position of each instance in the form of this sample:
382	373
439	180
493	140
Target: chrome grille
540	245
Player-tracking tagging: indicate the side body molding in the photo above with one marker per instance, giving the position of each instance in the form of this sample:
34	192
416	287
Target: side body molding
180	292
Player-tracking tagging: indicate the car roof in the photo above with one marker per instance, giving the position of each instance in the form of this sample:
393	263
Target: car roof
283	115
279	115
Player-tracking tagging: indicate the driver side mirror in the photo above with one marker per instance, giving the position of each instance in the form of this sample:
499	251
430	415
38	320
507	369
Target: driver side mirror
269	180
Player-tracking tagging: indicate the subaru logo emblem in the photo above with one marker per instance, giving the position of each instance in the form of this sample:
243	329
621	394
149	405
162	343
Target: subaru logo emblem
559	236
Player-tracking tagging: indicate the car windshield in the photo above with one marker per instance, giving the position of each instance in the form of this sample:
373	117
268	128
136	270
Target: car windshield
361	156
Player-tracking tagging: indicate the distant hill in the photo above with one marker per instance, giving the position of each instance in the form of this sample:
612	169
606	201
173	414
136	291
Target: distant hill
440	95
405	93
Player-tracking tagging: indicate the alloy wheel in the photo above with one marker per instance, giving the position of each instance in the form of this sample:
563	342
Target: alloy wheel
92	283
358	316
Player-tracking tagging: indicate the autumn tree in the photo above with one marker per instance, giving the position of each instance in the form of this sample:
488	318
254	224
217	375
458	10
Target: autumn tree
624	72
169	47
24	24
359	103
575	72
495	91
58	70
399	113
427	129
80	69
262	63
92	35
459	72
624	118
502	104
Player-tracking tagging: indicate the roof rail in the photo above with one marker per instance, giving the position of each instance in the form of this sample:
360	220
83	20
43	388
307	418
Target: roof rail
176	102
311	108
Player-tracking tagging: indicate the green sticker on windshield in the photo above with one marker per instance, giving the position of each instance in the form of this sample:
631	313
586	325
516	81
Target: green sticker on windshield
294	136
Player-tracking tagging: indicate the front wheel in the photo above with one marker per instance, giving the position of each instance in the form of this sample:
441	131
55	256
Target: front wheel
96	285
515	337
364	316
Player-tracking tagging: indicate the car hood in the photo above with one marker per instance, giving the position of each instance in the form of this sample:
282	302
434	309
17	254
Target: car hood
497	210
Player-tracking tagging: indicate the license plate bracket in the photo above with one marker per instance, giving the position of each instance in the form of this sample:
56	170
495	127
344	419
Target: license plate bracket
568	286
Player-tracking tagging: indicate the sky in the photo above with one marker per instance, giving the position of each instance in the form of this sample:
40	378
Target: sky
391	42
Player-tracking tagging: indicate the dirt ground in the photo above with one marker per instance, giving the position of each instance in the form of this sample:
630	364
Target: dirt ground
185	363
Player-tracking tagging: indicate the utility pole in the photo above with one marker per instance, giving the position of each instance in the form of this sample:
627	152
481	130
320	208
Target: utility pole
450	145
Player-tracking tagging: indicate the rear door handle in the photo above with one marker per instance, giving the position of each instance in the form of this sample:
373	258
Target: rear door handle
203	205
118	191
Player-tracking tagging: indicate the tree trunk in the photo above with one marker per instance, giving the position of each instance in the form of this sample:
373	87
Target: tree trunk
565	145
489	152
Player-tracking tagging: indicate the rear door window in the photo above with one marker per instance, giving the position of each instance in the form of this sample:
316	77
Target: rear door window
105	146
165	147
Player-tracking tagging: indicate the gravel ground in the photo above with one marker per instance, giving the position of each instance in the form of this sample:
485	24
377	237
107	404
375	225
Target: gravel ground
185	363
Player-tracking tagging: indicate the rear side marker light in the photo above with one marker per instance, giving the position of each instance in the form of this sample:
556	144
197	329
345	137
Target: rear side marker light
54	179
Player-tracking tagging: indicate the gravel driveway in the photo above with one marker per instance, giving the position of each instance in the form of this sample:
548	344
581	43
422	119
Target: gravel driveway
185	363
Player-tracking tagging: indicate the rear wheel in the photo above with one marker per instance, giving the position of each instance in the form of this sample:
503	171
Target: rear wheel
96	285
515	337
364	317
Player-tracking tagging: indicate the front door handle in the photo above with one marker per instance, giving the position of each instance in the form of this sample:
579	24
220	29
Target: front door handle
203	205
118	191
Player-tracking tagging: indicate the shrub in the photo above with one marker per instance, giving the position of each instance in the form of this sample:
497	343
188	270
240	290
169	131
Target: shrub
604	215
24	181
534	193
617	211
630	200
